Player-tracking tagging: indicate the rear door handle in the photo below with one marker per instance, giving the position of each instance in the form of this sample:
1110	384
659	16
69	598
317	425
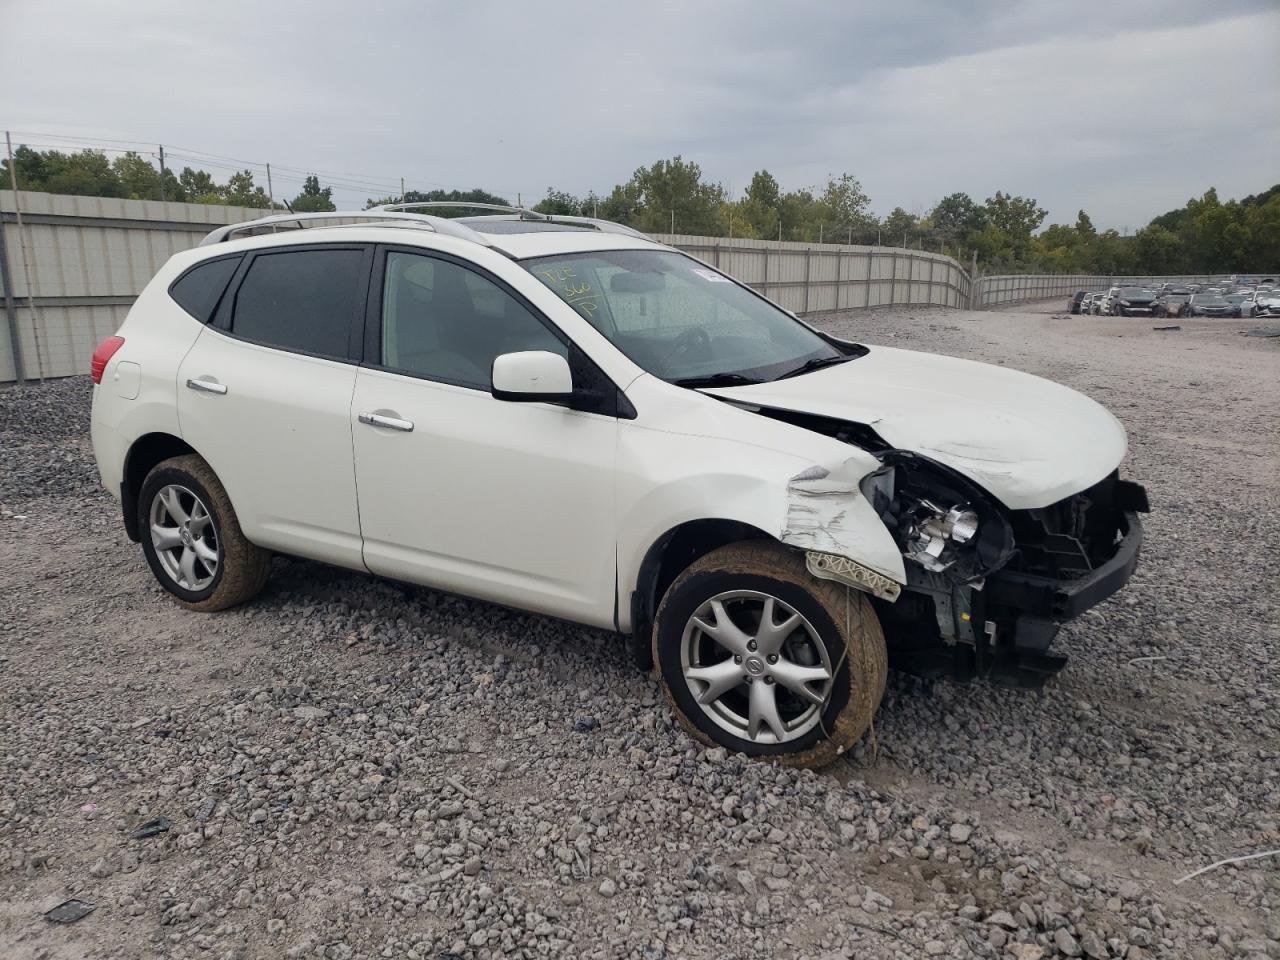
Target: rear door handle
207	386
391	423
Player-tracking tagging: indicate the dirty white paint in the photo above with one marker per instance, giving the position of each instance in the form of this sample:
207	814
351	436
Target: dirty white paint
1027	441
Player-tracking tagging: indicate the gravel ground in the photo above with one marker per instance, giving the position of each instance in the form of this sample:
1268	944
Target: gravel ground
354	768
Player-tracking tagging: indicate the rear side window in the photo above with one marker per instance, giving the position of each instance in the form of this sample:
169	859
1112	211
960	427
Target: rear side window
303	300
199	289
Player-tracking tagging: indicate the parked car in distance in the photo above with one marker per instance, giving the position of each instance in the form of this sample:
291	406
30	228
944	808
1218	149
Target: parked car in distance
1172	303
1085	303
1236	302
1099	305
1109	301
1073	305
1207	305
563	416
1267	304
1133	302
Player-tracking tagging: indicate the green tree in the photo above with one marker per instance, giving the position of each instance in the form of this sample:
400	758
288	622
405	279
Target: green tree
900	228
1158	250
198	187
241	191
138	179
956	217
801	215
559	203
475	195
844	211
313	199
671	193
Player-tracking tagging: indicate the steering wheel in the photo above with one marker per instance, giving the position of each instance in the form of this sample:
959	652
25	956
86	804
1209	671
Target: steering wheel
691	339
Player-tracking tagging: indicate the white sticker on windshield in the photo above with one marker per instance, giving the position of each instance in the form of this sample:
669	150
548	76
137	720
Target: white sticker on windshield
710	275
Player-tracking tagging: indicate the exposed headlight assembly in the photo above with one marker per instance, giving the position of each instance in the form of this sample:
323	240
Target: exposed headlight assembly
932	530
942	522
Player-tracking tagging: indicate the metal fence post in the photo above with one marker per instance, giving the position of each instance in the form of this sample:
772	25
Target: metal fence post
893	281
766	269
808	257
11	310
871	260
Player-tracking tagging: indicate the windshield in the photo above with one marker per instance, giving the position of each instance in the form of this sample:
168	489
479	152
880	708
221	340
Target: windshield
680	320
1133	292
1208	298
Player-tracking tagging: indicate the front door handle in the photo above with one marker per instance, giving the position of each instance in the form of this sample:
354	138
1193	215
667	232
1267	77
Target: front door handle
391	423
207	386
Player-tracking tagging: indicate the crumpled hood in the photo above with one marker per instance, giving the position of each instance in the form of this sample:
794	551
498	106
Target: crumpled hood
1027	441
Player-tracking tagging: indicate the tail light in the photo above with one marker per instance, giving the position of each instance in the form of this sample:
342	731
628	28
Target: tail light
102	356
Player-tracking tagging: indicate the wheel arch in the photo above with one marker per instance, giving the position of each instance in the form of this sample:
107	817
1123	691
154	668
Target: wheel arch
143	455
664	560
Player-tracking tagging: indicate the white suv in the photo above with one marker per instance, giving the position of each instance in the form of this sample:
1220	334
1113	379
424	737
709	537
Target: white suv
564	416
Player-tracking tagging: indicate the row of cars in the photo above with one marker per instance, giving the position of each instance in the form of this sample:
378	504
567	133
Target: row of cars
1176	300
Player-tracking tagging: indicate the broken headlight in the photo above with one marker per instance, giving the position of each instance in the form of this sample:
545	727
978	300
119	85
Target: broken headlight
933	534
941	521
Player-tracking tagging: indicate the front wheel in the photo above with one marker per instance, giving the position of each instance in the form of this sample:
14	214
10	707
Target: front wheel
192	539
757	655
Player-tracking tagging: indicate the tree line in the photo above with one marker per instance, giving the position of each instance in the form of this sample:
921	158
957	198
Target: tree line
132	176
1005	232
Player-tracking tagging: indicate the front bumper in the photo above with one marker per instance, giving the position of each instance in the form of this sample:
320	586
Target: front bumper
1056	575
1060	599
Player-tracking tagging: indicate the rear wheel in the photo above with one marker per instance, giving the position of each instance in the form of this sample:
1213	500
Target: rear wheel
757	655
192	539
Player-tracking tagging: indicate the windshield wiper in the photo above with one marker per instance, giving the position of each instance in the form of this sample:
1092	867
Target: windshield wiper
715	380
815	364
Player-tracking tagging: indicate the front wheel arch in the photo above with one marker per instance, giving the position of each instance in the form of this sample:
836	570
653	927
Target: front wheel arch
668	557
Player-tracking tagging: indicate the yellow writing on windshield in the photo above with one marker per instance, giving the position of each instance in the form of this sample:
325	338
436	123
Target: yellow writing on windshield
575	292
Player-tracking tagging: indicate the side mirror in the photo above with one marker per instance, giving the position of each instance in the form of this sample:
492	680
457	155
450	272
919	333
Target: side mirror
531	376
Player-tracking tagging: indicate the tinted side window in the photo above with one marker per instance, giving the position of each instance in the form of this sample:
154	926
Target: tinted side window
199	289
300	300
445	322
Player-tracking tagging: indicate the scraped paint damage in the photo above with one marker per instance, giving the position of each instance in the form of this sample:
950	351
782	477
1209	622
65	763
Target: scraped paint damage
818	508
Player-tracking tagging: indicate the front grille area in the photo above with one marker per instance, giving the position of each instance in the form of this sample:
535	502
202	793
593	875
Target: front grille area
1070	538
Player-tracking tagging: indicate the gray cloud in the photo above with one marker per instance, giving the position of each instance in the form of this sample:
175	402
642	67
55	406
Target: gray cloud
1122	109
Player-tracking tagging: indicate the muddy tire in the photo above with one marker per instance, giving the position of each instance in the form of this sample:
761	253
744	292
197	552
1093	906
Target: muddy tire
799	687
192	539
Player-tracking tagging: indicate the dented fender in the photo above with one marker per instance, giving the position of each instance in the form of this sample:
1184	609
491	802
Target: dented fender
794	485
827	513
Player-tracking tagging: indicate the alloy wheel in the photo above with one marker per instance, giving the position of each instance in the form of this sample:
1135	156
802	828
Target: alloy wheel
756	666
184	537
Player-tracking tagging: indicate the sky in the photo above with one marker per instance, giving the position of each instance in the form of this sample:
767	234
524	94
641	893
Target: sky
1123	109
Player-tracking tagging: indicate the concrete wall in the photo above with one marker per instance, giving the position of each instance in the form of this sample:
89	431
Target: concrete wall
818	277
83	260
87	258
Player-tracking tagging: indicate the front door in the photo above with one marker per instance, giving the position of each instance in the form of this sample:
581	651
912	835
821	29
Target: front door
511	502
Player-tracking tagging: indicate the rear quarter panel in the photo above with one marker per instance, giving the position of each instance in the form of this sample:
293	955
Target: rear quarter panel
138	393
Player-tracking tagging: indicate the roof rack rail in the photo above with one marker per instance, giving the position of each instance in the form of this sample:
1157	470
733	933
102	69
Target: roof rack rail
604	226
423	221
525	212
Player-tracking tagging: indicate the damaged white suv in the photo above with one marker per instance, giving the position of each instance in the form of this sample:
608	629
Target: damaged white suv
564	416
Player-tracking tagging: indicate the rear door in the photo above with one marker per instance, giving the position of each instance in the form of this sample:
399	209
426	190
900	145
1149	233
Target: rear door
265	393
